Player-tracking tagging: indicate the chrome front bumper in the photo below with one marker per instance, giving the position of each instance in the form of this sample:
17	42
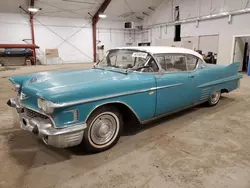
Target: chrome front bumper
43	128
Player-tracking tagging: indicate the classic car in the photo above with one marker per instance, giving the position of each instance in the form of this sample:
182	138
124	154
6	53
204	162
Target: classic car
89	107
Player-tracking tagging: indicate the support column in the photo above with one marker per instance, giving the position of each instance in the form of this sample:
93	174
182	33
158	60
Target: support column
94	39
33	36
95	19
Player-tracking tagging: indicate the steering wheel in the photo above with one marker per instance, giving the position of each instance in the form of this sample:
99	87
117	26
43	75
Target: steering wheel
148	67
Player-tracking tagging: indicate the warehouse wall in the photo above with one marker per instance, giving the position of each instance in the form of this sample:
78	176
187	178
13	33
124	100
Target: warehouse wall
73	37
195	8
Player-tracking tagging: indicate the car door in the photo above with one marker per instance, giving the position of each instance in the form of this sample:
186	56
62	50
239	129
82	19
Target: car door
195	77
173	85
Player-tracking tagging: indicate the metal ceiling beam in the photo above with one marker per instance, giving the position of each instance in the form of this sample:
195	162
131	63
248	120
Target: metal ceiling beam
95	19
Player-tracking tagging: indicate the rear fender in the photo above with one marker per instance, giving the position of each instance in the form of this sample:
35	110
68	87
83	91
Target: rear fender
233	68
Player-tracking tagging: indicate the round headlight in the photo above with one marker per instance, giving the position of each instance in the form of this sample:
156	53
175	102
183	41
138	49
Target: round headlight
45	105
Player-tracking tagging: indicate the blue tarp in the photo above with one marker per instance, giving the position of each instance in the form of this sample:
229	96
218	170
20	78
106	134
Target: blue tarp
17	52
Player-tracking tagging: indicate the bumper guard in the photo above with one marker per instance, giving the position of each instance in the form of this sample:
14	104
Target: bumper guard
43	128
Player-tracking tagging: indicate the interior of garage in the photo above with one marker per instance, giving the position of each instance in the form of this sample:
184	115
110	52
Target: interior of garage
198	147
59	25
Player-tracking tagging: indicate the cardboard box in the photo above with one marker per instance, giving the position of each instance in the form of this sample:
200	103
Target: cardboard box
51	53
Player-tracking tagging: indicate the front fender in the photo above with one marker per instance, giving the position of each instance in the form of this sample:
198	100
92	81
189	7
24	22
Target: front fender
141	104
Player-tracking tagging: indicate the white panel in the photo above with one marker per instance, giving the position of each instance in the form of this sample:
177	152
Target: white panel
161	15
104	37
145	35
193	40
10	33
163	42
245	4
231	5
205	7
188	9
217	6
14	28
209	44
83	45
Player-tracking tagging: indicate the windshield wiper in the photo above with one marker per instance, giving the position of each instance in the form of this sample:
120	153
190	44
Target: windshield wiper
110	70
116	71
99	68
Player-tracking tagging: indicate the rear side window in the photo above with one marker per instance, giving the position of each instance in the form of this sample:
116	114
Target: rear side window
172	62
192	62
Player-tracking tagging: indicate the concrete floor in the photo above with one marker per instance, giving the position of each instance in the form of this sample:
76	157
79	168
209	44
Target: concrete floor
200	147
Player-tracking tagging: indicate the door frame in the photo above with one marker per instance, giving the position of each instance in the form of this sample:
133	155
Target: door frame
233	45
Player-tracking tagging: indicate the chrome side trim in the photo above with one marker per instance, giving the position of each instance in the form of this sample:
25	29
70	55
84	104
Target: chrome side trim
170	113
168	86
113	102
59	105
220	81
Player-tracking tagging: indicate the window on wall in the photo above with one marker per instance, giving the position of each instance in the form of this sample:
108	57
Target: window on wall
177	27
172	62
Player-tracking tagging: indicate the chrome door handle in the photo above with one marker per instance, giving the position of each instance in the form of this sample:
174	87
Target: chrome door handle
191	76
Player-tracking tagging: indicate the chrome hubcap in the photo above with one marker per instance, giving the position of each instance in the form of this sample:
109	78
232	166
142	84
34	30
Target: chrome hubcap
103	129
215	97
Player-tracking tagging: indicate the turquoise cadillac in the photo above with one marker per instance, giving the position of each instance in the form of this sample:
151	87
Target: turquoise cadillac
69	107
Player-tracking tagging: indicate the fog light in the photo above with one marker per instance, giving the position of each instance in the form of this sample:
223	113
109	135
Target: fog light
24	122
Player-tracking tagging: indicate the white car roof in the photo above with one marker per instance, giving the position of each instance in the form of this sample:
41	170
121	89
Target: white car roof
163	49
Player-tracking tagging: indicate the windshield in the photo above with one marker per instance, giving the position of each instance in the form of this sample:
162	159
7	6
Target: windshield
129	59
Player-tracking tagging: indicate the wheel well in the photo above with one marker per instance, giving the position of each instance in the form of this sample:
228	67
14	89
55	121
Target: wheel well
127	113
224	91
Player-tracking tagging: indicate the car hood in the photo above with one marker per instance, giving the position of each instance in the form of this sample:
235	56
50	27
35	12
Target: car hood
67	86
60	80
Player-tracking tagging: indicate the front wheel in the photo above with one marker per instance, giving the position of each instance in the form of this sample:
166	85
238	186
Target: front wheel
103	129
214	98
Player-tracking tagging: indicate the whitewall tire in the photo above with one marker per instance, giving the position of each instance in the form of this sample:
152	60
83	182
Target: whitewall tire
104	127
214	98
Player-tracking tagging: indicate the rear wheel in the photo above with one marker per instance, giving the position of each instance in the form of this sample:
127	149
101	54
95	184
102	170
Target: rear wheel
214	98
103	129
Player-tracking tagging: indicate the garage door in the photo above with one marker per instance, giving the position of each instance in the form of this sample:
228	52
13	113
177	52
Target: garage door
209	44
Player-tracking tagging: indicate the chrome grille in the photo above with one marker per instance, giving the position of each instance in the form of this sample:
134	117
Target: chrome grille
32	114
76	115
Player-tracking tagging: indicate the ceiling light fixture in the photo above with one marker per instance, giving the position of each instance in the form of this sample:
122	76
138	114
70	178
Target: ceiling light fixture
33	9
102	16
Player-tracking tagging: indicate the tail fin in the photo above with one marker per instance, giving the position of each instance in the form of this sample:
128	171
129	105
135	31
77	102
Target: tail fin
234	67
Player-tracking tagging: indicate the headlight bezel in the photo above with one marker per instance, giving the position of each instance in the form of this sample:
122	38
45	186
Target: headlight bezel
45	105
16	87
